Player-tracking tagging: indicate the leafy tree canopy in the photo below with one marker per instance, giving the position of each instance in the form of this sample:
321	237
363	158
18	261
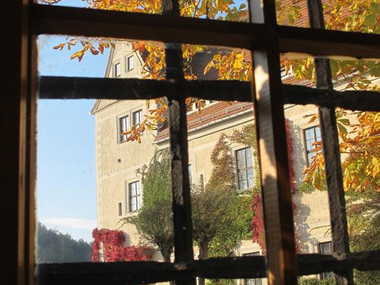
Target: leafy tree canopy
56	247
154	220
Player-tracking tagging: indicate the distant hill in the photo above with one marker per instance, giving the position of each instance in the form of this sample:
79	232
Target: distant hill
56	247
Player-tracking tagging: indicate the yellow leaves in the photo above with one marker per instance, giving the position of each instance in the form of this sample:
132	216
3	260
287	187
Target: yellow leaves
238	62
360	146
376	167
78	55
146	6
231	65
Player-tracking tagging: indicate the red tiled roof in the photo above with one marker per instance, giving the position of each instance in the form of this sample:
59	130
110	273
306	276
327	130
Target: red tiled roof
208	115
222	110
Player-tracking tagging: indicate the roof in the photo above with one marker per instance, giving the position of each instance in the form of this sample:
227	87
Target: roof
209	115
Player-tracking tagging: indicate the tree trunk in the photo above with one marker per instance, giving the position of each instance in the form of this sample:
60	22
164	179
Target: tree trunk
203	254
166	256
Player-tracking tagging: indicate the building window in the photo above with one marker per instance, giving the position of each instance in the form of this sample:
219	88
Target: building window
137	117
130	63
117	70
123	127
252	281
244	168
325	248
134	196
120	208
312	135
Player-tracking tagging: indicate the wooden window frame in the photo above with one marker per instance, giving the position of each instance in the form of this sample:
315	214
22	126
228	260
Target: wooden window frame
24	20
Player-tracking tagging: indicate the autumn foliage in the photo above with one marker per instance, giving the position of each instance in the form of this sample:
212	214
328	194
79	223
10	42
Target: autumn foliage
359	135
109	246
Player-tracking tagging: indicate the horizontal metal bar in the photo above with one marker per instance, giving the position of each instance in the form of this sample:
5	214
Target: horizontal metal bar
236	267
328	43
350	100
138	26
51	87
122	25
128	89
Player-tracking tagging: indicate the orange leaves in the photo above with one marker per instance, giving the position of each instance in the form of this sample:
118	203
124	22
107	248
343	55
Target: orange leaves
359	135
87	45
69	44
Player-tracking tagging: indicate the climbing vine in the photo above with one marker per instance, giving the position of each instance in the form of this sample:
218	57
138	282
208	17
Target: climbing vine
113	249
223	169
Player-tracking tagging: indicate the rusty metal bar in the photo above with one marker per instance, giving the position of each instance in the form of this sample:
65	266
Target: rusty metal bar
183	239
52	87
143	272
54	20
330	139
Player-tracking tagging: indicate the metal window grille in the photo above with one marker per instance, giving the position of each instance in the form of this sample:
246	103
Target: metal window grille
266	40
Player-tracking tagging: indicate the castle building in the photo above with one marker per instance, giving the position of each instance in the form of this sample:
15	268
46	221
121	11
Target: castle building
119	184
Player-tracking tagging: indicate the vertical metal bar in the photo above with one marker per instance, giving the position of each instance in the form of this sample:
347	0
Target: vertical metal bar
270	123
179	149
331	153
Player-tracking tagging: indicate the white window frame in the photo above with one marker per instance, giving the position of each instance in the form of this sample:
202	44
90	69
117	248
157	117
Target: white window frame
309	153
117	69
137	122
129	197
122	128
246	169
130	62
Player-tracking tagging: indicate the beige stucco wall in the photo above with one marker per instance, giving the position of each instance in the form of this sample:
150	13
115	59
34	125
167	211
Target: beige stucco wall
117	163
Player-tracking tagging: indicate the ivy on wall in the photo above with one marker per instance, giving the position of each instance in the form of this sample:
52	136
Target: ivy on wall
109	246
224	169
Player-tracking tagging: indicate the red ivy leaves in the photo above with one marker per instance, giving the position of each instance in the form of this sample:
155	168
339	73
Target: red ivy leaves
257	223
114	250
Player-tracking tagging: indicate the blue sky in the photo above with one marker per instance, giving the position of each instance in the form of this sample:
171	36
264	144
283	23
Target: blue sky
66	177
